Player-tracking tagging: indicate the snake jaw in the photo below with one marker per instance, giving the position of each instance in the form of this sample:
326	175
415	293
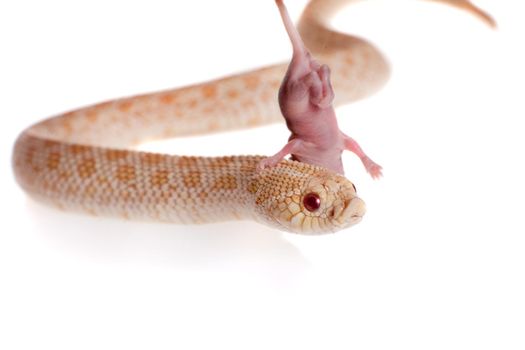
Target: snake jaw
347	209
353	213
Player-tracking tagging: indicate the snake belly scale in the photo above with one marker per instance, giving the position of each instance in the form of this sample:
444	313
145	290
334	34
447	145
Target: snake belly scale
82	160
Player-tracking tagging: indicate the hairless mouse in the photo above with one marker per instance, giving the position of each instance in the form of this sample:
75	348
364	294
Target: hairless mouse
305	99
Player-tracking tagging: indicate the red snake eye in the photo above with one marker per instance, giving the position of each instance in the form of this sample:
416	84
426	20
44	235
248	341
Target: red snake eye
312	202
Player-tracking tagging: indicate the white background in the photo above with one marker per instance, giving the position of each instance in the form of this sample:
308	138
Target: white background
437	263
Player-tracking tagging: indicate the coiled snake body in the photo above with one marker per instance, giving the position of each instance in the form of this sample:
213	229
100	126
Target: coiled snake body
80	161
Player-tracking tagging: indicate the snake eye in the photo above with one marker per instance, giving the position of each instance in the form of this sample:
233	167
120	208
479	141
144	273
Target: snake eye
312	202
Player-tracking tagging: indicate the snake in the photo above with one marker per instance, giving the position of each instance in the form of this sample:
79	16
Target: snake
86	160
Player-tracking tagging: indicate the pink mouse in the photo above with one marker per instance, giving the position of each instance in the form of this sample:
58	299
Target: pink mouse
305	99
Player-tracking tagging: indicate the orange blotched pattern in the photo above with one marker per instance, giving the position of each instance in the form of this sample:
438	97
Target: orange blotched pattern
82	160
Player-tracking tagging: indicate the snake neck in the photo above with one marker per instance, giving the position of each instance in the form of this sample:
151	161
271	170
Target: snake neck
136	185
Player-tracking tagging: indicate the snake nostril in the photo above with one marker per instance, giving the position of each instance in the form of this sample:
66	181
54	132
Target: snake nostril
331	213
355	189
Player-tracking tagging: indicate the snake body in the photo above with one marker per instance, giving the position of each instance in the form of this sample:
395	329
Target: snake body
82	160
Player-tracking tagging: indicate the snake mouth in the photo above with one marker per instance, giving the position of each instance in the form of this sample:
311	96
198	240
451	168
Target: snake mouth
353	213
355	219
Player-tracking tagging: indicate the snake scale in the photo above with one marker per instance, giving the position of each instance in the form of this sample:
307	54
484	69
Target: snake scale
83	160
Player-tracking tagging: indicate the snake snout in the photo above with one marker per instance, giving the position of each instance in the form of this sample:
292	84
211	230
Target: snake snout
353	212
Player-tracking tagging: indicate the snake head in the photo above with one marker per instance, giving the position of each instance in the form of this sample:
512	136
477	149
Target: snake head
308	200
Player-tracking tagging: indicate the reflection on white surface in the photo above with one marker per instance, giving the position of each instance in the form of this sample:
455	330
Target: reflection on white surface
242	245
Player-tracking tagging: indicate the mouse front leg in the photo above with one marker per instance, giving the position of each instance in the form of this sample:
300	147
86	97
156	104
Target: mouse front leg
293	146
374	169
